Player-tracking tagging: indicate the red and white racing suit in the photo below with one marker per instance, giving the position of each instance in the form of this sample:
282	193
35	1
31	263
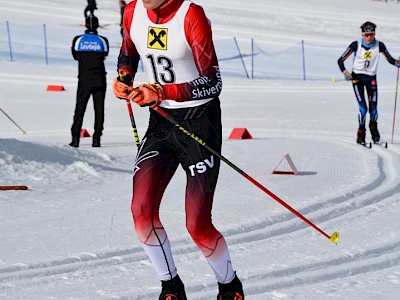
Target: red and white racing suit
174	43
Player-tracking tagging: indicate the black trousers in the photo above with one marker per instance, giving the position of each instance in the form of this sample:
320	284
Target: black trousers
361	83
89	9
84	91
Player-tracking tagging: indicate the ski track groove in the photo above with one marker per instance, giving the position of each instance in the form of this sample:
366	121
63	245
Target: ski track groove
285	223
305	277
371	260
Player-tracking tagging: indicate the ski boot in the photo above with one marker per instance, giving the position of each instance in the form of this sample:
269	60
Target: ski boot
96	142
75	142
231	291
361	136
173	289
373	127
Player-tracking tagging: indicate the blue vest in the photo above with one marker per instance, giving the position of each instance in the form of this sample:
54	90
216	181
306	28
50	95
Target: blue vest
91	43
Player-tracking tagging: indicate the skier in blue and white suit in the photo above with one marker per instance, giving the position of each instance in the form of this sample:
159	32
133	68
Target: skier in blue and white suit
90	50
363	76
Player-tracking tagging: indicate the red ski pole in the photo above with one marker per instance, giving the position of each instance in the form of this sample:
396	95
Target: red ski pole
334	238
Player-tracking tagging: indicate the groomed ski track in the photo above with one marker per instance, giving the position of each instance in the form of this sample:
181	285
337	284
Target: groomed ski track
377	198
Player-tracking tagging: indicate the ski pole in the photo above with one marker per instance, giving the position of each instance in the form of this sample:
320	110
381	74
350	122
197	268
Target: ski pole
134	129
23	131
334	238
334	80
128	80
395	102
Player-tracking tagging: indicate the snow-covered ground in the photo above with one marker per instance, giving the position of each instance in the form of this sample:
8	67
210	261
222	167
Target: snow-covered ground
70	236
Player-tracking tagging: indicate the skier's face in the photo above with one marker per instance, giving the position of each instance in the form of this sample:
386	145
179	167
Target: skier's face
152	4
369	37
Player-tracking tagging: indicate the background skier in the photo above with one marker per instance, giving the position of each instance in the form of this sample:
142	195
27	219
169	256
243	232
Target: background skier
91	6
363	77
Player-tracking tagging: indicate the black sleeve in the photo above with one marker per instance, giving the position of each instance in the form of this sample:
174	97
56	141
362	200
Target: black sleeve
350	49
75	54
108	47
131	63
107	44
386	54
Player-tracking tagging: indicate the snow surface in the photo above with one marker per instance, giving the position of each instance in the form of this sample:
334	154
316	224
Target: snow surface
70	236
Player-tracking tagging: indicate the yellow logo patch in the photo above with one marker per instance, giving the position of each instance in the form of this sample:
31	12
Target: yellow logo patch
368	55
157	38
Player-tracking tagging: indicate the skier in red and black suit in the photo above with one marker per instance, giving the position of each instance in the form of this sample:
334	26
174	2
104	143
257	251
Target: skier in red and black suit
173	38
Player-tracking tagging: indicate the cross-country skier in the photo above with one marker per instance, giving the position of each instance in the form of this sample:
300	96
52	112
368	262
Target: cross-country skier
90	7
173	38
90	50
363	76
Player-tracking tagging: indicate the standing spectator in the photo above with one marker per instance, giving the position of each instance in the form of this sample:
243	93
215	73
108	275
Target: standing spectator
90	50
91	6
174	40
122	5
363	76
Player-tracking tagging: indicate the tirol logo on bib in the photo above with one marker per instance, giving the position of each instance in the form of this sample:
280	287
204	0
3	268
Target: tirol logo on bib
157	38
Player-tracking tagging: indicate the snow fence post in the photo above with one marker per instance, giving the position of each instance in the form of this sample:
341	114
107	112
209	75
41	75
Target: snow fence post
252	58
304	59
241	57
9	40
45	44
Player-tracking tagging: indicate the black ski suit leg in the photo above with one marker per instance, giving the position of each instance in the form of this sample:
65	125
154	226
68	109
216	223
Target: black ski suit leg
82	98
372	92
99	94
358	88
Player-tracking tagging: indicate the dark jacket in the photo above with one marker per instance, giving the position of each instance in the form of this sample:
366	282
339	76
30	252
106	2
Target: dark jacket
90	50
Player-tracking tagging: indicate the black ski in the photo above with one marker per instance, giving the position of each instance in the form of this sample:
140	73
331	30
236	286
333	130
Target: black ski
366	145
382	144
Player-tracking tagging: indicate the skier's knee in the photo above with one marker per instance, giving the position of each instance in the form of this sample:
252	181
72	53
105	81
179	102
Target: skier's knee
141	213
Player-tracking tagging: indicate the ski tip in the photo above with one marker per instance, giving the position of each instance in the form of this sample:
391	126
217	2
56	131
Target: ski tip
334	237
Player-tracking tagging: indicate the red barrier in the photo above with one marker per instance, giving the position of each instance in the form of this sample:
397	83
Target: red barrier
240	134
13	187
55	88
84	133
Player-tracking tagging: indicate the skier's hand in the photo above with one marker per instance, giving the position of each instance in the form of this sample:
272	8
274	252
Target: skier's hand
120	89
397	63
122	84
147	95
347	75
